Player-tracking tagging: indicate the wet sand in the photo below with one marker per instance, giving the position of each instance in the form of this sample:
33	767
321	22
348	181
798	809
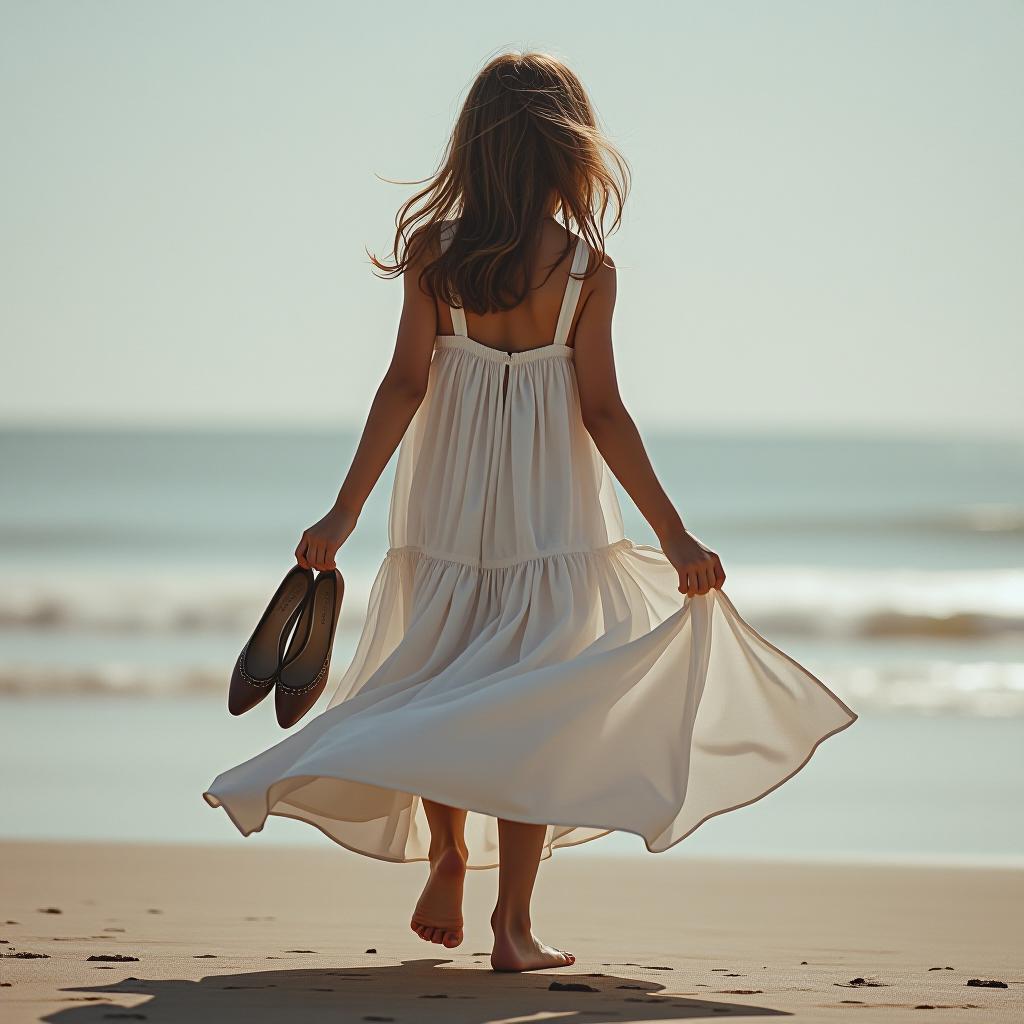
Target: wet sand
254	932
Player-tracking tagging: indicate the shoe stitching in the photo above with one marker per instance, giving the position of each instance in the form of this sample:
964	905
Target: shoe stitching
293	691
252	680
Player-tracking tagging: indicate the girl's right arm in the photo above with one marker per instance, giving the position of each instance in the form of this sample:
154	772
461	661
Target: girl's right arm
619	442
396	401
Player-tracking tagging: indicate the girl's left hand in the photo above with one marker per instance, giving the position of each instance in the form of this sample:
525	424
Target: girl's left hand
319	544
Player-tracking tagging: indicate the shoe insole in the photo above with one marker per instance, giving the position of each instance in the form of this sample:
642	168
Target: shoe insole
265	648
309	660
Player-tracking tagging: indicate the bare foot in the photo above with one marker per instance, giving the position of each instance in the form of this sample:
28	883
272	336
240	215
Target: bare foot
438	913
517	949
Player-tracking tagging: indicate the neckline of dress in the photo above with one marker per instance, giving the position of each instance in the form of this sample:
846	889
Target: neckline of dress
463	341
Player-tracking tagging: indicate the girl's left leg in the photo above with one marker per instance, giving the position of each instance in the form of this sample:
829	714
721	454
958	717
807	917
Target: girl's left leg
438	913
516	948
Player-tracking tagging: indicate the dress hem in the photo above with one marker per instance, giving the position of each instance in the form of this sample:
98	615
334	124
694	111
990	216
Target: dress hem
549	848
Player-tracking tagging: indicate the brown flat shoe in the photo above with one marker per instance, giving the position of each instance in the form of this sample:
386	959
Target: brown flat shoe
304	669
256	668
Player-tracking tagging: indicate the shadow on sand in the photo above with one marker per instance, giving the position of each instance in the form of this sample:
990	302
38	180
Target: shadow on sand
414	990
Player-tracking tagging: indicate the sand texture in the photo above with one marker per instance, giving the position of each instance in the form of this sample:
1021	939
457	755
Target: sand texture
254	932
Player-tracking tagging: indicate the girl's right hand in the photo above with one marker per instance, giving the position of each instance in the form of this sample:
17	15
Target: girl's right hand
319	544
699	568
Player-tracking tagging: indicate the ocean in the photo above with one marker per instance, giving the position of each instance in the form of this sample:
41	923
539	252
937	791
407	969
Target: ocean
134	564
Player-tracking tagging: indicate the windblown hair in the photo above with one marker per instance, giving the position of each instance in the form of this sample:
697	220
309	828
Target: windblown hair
526	137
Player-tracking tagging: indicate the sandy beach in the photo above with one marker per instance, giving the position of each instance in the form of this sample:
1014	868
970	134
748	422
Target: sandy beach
261	933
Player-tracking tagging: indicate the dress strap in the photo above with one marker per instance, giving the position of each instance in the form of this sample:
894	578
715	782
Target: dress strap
457	312
572	293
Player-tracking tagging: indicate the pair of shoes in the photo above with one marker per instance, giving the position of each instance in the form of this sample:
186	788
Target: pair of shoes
297	674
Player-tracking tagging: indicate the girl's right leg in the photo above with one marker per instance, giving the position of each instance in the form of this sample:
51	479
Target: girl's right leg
515	947
438	914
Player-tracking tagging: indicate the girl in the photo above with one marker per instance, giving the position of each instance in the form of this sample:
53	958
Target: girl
527	677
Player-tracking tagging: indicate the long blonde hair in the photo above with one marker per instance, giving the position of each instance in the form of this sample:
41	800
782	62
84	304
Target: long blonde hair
527	134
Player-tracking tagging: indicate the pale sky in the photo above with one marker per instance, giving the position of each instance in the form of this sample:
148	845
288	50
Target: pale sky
825	232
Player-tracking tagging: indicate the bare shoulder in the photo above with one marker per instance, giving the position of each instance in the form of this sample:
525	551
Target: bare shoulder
423	248
601	283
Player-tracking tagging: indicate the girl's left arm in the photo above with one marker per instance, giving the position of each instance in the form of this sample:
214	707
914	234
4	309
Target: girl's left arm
396	401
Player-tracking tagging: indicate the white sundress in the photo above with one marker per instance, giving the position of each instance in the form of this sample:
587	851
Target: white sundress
522	658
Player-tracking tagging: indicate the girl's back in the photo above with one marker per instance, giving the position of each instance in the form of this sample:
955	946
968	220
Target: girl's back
533	321
497	468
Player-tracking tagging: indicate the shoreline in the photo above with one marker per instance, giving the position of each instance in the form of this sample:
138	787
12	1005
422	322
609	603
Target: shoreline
264	933
315	841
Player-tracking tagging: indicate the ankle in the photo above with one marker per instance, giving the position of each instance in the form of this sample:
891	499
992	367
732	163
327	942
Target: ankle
507	920
449	853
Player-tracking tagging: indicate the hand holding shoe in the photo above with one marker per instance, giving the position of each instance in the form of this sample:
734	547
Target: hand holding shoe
319	544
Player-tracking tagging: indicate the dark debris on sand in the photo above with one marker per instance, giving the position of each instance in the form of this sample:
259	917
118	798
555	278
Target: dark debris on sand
118	958
571	986
26	956
986	983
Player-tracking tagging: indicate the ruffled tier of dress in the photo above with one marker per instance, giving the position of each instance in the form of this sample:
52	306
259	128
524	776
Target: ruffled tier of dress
575	689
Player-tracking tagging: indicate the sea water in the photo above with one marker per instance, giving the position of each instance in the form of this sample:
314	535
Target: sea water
134	564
